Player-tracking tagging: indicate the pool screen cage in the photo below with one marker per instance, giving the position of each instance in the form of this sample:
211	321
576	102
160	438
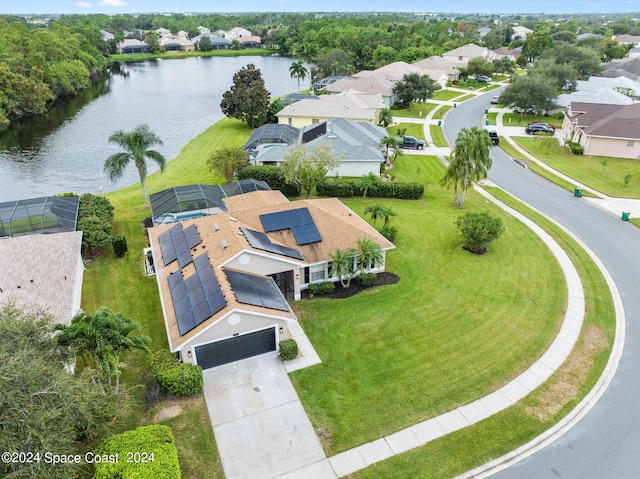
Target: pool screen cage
198	197
49	214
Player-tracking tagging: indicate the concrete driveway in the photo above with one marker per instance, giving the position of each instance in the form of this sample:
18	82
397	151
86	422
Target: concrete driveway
261	428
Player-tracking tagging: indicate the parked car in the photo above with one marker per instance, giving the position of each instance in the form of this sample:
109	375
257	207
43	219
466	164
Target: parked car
533	128
412	142
494	99
483	78
494	137
553	127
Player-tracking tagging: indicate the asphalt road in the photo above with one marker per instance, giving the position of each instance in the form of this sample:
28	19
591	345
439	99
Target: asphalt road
605	443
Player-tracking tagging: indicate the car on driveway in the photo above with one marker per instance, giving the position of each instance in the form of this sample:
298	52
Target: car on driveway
553	127
412	142
483	78
533	128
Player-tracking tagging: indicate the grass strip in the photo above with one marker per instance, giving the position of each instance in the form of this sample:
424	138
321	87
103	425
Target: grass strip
419	110
440	112
475	445
444	95
437	136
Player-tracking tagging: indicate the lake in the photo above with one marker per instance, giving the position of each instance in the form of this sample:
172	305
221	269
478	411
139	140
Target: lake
65	149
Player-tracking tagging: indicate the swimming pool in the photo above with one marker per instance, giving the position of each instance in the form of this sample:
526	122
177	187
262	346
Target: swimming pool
174	218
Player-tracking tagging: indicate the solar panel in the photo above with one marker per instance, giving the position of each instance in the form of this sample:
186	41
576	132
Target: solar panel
182	306
201	261
201	311
178	292
174	279
300	222
186	322
168	253
256	290
216	302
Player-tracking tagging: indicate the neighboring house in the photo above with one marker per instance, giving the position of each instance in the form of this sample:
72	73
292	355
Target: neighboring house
237	33
599	83
217	43
183	34
131	45
203	30
349	104
482	31
176	44
520	32
461	56
161	32
225	279
356	145
627	39
294	97
271	134
604	130
250	42
627	68
584	36
634	52
605	96
505	53
436	63
106	36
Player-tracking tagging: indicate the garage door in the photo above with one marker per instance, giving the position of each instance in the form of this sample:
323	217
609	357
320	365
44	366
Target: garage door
236	348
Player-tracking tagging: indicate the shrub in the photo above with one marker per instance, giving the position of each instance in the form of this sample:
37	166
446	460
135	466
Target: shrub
478	230
366	279
389	232
576	149
271	175
148	451
288	349
326	287
380	189
183	379
343	189
119	244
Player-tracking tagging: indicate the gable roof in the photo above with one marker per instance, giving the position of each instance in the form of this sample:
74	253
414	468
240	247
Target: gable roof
436	63
605	96
470	50
338	226
626	38
598	83
349	104
612	121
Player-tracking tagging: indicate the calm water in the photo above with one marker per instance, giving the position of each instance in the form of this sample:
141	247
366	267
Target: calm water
179	99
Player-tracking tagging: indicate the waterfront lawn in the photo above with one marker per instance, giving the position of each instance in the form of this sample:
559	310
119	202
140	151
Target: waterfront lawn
589	170
456	327
473	446
418	110
437	135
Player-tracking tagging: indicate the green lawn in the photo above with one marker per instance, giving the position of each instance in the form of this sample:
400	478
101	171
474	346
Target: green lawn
437	135
491	116
413	129
444	95
589	170
440	112
464	97
455	328
470	447
419	110
517	119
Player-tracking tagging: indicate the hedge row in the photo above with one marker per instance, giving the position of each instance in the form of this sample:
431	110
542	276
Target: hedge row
148	451
271	175
381	189
326	287
183	379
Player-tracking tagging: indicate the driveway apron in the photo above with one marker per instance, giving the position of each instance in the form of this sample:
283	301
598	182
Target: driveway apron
261	428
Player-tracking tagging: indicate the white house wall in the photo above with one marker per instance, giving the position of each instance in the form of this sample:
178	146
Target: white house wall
614	147
355	169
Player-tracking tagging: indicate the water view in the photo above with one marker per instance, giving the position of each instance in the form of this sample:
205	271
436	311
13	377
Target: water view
178	98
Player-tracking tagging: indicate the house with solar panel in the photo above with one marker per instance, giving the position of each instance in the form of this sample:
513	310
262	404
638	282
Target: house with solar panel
226	278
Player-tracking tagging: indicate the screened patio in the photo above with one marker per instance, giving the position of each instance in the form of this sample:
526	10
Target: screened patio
48	214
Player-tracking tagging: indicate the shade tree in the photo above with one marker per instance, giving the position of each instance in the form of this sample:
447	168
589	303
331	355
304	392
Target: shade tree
306	167
247	100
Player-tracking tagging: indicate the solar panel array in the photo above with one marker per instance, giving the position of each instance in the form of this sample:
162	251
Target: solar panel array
256	290
261	241
298	220
198	297
177	243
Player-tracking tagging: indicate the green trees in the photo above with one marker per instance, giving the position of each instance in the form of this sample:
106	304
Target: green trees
248	99
44	408
100	339
298	71
478	230
503	65
136	144
470	161
413	86
306	168
227	161
342	265
95	218
369	255
385	118
479	66
345	264
530	92
204	44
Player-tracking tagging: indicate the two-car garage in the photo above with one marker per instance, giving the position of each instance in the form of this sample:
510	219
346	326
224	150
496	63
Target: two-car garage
236	348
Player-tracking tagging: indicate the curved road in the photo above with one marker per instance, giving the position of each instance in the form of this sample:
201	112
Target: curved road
605	443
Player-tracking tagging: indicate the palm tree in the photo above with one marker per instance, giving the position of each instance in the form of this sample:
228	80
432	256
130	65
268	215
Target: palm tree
471	160
298	70
386	213
342	265
366	183
454	176
375	211
389	142
136	144
369	254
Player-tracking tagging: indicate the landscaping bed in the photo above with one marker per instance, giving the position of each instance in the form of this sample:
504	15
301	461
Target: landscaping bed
354	288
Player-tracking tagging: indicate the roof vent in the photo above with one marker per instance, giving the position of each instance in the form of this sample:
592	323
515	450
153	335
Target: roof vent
231	218
223	243
215	226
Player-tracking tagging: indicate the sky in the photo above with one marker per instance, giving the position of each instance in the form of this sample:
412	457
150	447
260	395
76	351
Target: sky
219	6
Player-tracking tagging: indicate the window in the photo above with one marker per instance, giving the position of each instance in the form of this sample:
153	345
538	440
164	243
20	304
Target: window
290	122
315	121
629	143
460	59
318	272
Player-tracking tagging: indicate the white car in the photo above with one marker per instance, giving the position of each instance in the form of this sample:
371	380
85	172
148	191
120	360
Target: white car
494	100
